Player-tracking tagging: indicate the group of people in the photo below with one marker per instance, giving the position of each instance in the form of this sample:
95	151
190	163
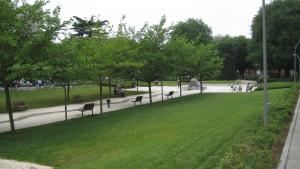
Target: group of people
239	88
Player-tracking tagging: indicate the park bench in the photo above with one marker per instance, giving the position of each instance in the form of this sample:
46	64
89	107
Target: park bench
249	88
86	107
119	92
77	98
20	105
170	94
138	99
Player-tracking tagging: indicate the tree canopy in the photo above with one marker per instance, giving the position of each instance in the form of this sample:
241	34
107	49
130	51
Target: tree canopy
235	52
26	31
194	30
283	25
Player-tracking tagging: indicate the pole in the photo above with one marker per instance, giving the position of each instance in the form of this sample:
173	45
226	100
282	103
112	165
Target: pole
66	108
266	109
295	55
294	70
162	90
180	87
109	86
299	69
101	95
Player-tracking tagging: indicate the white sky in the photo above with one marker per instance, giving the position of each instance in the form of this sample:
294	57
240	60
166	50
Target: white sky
231	17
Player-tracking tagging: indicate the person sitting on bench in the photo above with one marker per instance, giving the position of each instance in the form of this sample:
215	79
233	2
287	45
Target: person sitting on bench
119	92
138	99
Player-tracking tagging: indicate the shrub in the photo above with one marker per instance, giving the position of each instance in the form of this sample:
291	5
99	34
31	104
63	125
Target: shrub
258	152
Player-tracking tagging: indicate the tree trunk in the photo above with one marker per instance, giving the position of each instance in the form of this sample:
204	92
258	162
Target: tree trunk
162	90
201	84
9	109
180	88
109	86
66	108
101	95
137	85
150	93
68	93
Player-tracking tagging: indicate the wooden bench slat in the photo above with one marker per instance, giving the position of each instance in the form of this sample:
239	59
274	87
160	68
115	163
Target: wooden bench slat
86	107
20	105
138	99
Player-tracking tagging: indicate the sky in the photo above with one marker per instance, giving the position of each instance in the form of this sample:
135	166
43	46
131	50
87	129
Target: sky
224	17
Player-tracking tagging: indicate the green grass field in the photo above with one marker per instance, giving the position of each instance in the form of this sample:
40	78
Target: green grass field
221	81
192	132
54	96
279	85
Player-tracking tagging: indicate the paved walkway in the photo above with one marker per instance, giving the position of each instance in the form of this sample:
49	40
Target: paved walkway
12	164
41	116
290	157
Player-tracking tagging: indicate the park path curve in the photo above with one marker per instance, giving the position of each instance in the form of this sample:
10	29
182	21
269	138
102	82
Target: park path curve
41	116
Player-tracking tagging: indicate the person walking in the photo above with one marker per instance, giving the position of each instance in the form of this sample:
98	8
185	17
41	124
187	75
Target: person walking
108	102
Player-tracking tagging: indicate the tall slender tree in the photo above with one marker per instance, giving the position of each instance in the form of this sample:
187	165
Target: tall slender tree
180	54
151	52
26	30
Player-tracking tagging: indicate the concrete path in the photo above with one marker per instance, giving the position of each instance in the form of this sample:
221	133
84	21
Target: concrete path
12	164
41	116
290	157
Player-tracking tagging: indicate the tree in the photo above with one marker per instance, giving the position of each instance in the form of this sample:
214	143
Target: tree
66	65
234	50
151	52
93	36
283	25
207	64
122	53
97	63
180	54
86	28
193	30
25	32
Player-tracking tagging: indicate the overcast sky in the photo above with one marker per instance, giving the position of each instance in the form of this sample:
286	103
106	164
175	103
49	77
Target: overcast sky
231	17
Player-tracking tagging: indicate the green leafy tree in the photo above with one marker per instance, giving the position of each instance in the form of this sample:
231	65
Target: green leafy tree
180	54
92	50
86	28
66	65
283	25
26	30
194	30
234	50
122	53
207	63
151	53
93	35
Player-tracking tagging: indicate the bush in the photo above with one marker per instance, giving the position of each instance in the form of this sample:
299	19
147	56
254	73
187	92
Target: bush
258	152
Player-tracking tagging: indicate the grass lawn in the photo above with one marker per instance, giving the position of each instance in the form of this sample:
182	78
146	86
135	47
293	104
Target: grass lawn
220	81
278	85
192	132
53	96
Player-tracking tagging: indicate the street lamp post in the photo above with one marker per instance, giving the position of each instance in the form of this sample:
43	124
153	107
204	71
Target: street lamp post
265	74
295	56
